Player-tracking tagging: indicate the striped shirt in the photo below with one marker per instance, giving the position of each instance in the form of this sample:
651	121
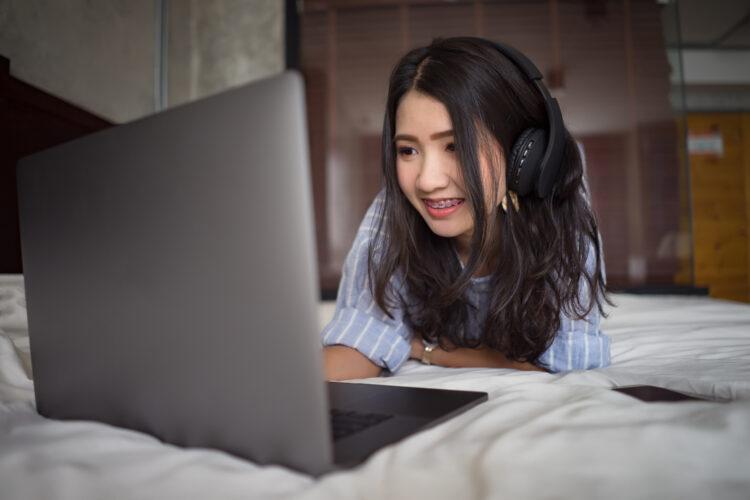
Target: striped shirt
359	322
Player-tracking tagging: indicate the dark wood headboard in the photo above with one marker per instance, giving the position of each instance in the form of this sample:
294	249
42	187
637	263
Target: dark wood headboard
30	120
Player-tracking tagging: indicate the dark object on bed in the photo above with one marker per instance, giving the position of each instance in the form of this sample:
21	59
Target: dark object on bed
653	394
30	120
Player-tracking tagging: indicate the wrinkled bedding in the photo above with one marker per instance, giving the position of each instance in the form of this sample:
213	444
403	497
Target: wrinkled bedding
539	435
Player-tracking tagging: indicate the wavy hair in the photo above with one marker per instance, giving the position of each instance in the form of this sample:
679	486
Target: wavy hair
537	255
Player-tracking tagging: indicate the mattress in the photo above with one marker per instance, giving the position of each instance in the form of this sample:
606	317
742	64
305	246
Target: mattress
540	435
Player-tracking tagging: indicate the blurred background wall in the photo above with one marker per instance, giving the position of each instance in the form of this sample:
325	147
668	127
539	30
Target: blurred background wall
106	56
657	92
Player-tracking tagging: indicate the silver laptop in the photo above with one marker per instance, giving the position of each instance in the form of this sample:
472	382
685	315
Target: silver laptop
171	285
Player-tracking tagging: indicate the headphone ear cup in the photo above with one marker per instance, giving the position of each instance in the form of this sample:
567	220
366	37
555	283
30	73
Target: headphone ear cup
522	171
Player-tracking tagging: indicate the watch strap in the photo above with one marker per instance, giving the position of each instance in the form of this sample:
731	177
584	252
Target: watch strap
427	352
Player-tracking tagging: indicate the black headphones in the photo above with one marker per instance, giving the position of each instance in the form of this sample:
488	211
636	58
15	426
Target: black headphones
536	156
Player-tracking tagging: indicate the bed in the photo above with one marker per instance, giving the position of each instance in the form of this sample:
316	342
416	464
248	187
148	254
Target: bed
539	436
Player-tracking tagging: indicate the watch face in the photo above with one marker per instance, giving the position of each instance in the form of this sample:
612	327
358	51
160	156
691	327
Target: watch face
427	352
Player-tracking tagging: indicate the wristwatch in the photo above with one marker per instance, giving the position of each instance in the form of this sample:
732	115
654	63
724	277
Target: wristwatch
427	353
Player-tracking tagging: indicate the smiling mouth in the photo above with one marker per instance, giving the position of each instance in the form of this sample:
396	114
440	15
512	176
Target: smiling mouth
442	208
443	203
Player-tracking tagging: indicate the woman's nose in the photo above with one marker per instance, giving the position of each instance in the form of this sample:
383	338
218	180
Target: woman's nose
432	175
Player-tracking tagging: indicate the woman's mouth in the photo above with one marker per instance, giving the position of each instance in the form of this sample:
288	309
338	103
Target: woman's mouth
442	207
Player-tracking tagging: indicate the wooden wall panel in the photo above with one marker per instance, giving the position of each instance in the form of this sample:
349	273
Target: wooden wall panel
719	185
315	52
661	199
606	175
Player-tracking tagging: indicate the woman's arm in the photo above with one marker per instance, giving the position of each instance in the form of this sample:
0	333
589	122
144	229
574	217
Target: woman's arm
363	339
343	363
463	357
578	345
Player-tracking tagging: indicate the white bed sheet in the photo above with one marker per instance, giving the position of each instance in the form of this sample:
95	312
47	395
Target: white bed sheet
539	435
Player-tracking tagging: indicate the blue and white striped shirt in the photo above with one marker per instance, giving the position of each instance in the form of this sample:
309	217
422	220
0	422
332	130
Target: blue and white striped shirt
359	322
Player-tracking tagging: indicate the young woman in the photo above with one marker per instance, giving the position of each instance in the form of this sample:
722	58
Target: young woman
481	250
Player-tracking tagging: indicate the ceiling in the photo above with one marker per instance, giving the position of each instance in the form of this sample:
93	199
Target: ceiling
715	24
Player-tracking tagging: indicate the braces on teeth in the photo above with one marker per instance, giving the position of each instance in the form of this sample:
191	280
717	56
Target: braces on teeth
444	204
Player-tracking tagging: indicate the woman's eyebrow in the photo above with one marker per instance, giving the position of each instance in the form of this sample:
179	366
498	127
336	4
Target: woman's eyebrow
436	135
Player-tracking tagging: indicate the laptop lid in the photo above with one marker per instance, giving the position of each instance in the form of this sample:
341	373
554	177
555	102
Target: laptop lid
169	266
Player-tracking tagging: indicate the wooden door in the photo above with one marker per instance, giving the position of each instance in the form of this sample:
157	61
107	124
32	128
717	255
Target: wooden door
719	149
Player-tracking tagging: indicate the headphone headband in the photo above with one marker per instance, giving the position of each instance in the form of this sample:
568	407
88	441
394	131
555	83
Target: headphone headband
552	158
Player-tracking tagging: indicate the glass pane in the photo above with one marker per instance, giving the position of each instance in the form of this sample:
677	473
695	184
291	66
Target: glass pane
610	64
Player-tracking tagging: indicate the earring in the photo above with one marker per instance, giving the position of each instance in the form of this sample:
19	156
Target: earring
513	199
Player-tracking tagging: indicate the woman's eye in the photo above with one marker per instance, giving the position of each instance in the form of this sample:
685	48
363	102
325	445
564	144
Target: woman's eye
451	147
405	151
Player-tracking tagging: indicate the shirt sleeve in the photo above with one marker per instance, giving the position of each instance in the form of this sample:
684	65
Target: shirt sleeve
579	343
358	321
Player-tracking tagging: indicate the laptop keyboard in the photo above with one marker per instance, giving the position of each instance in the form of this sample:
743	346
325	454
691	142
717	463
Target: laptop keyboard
346	423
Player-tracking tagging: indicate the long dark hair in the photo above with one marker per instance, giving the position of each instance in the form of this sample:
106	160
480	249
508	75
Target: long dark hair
537	254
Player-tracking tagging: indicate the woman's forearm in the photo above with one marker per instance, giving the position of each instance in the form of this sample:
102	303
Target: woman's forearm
481	357
344	363
464	357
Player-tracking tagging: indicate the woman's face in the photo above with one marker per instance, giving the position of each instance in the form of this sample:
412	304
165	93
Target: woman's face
428	170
